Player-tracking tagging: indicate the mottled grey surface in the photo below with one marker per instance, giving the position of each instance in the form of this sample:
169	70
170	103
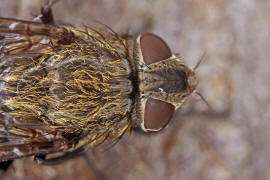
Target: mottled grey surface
230	142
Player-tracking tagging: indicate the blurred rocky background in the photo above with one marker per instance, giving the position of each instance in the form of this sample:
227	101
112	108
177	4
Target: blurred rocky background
228	142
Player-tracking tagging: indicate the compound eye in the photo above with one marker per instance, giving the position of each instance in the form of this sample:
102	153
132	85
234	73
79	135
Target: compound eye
153	48
157	115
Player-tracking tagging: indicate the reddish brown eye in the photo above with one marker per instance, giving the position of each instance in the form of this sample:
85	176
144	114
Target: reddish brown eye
157	114
154	48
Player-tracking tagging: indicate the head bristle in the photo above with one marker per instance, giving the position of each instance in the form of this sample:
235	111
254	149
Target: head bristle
202	98
199	62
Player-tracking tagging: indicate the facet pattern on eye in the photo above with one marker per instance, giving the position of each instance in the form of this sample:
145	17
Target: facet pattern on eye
153	48
157	114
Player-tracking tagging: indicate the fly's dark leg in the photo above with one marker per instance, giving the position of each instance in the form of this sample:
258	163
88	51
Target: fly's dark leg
4	165
46	14
41	159
98	175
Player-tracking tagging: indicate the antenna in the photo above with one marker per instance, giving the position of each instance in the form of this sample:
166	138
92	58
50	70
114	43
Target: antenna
204	100
199	62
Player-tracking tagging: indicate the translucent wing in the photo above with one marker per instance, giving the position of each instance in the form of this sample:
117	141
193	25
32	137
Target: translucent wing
60	88
30	37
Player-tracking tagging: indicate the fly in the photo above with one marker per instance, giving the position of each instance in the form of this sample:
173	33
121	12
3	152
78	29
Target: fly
63	88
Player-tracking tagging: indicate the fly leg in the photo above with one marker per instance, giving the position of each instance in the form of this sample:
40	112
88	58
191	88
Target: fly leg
4	165
98	175
41	159
46	14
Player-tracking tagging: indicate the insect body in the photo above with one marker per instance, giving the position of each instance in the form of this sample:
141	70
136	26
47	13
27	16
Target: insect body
62	87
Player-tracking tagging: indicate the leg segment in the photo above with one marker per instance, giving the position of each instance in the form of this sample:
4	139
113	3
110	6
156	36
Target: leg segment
4	165
46	14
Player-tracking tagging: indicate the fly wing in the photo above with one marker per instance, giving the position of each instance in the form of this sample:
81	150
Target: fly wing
25	37
21	43
18	141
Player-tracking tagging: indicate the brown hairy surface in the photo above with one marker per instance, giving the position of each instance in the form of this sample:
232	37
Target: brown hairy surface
61	88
